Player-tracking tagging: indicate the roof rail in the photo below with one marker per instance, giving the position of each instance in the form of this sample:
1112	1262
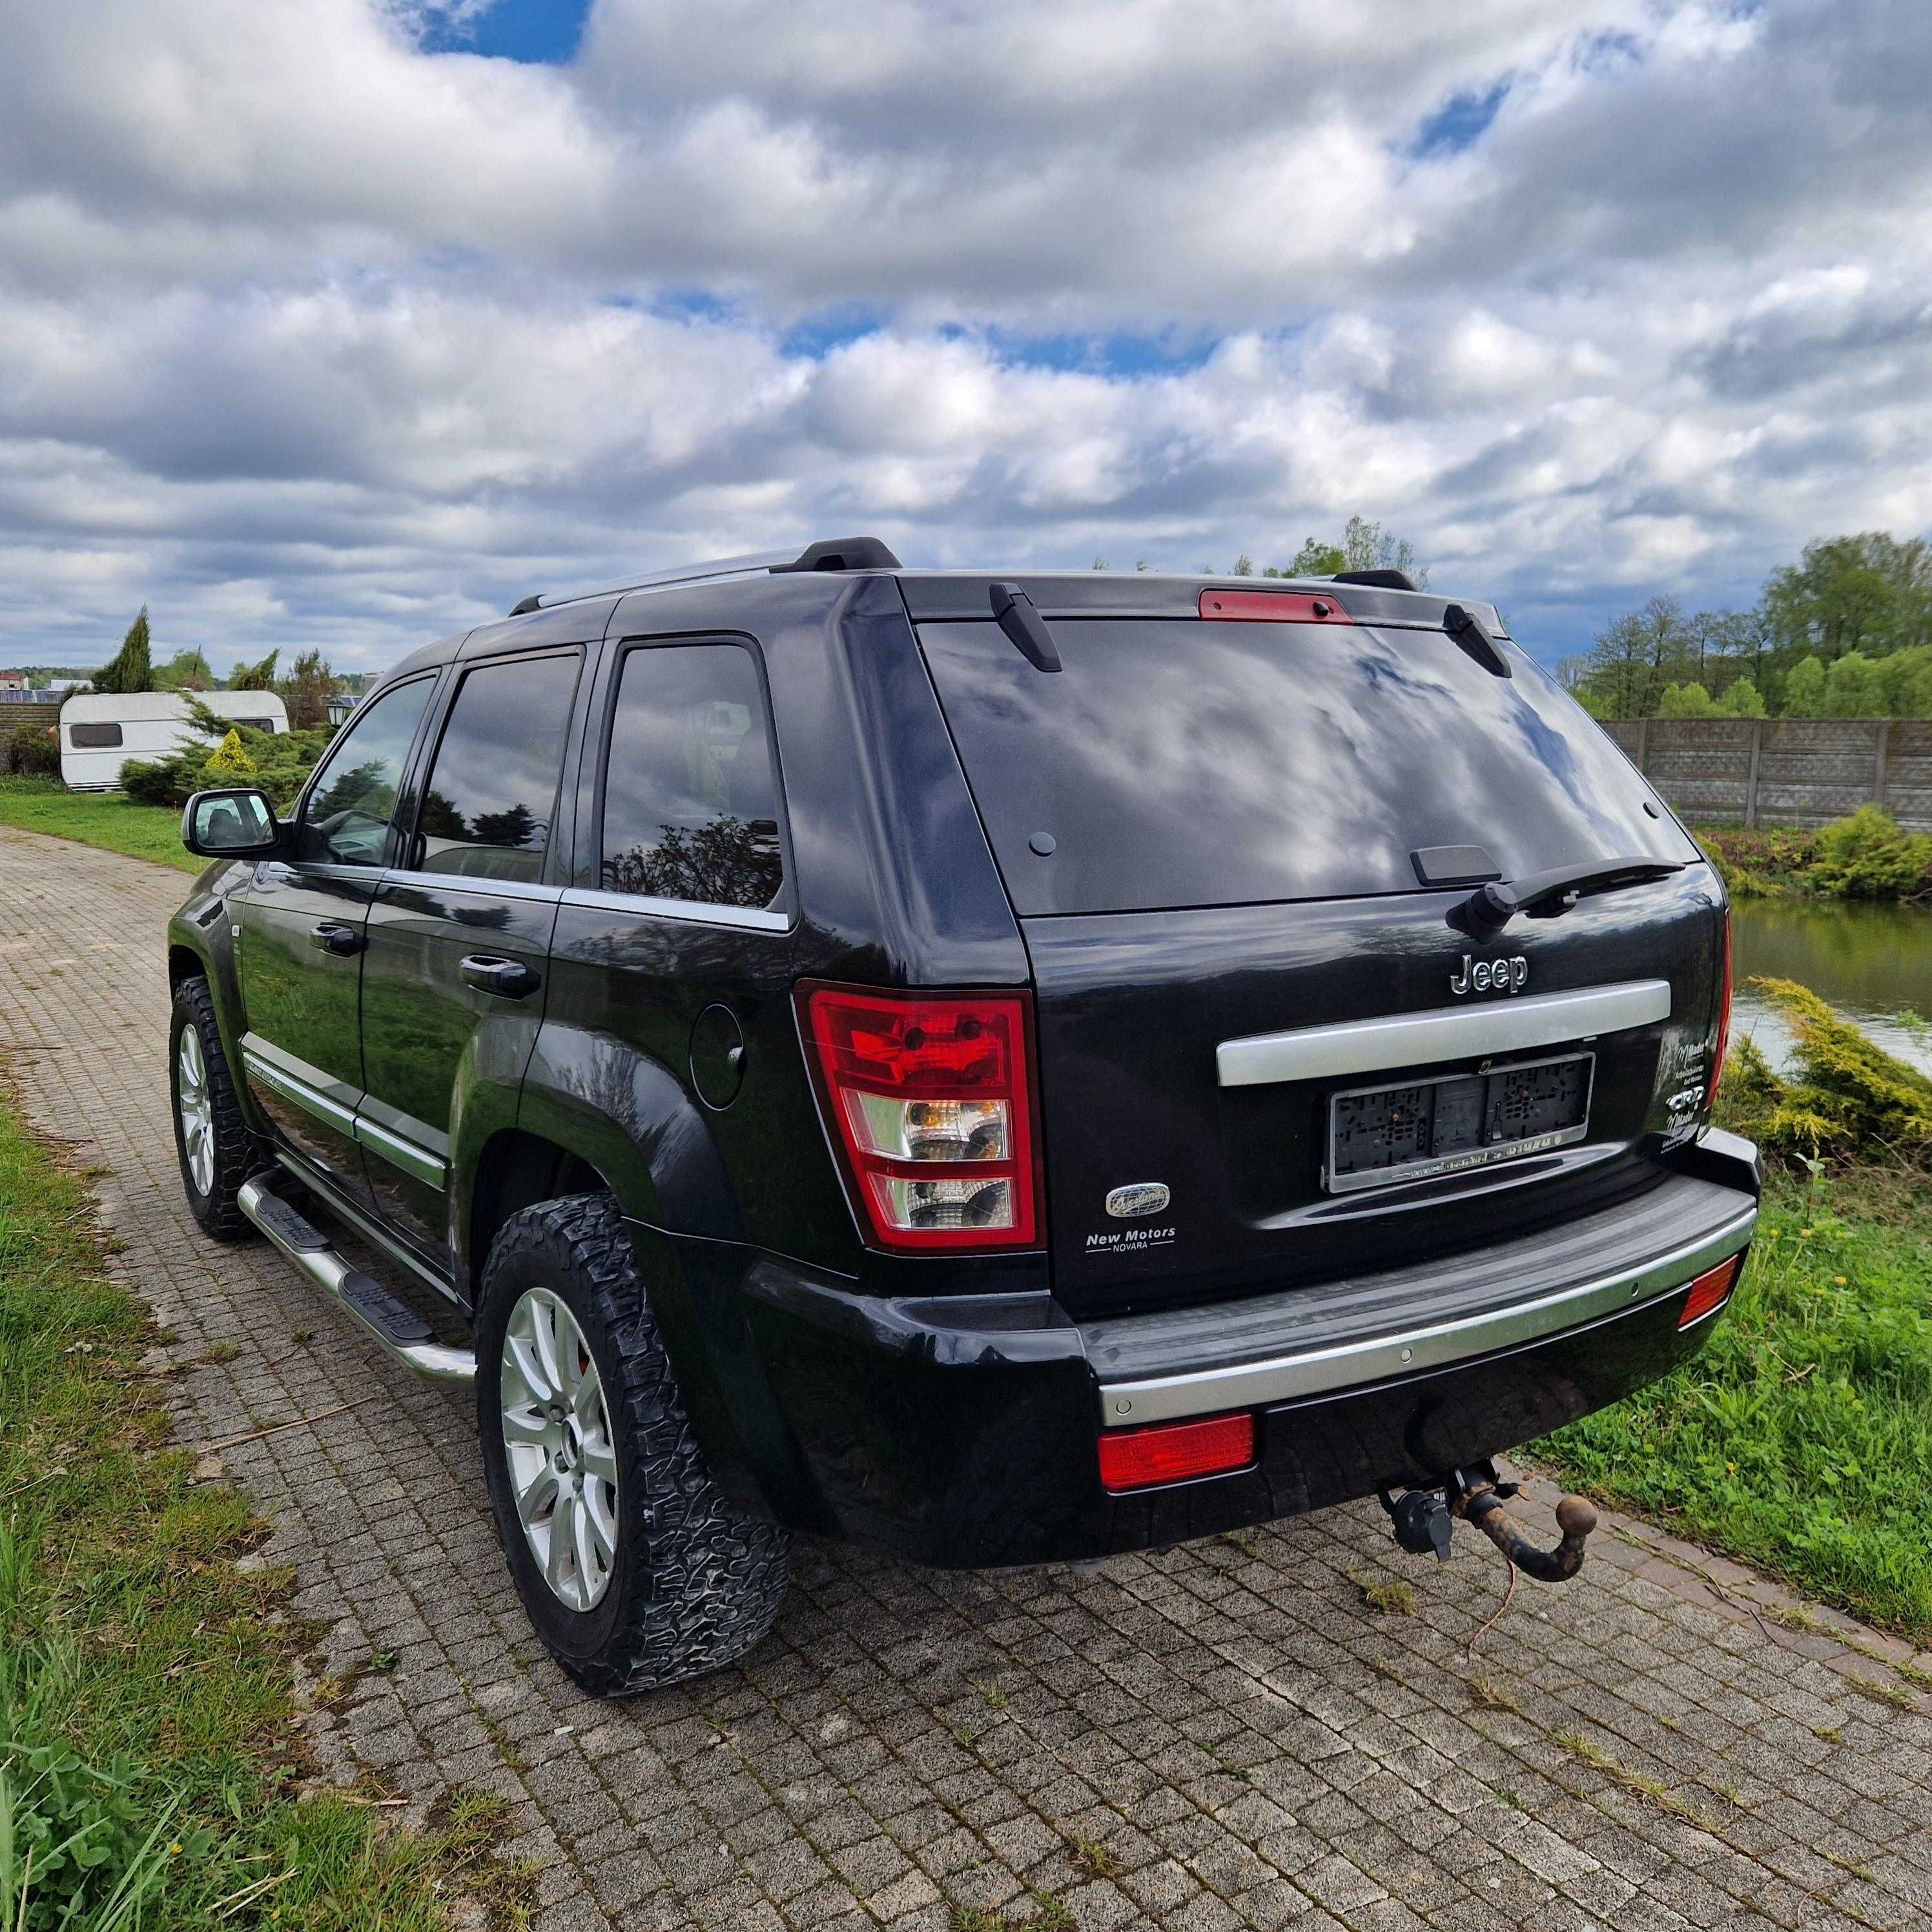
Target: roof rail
837	553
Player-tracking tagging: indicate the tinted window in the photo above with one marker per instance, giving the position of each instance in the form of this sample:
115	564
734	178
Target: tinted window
492	791
1179	762
93	737
691	798
345	819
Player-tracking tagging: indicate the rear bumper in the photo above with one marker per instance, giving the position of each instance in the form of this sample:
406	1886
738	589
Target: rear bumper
961	1432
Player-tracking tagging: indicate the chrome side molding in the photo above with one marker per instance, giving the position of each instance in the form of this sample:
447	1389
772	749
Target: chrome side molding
1506	1024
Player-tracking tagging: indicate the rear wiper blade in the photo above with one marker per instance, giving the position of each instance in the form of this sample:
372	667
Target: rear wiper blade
1491	907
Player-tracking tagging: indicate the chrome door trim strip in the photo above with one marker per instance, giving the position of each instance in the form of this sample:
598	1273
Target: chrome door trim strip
298	1093
470	882
756	919
1413	1352
416	1161
1509	1024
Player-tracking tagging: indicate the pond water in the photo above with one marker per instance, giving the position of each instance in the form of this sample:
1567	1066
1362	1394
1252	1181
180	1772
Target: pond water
1870	962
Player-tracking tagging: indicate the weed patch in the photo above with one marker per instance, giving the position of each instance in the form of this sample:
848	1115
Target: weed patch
148	1767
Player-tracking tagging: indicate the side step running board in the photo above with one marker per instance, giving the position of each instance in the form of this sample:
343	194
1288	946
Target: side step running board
397	1326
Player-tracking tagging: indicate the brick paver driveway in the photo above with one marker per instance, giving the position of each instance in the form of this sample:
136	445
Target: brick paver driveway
1226	1735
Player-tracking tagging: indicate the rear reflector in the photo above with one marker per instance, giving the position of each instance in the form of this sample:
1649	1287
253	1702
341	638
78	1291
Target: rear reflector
1273	607
1710	1291
1172	1452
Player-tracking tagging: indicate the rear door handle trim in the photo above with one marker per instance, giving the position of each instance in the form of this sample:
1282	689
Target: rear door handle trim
491	972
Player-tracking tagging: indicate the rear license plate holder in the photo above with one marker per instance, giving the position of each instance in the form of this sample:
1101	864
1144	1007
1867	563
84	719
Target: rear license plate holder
1451	1123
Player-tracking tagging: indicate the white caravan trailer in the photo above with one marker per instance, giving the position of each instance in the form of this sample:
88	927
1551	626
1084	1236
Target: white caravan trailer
101	731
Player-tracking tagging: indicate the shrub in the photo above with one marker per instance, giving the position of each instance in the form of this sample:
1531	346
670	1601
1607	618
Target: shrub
278	762
166	781
1849	1098
229	763
1757	864
32	750
1867	856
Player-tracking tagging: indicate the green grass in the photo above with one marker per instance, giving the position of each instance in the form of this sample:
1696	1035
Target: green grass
106	819
148	1765
1800	1440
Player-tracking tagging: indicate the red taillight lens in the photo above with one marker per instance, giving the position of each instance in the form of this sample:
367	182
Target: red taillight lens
931	1095
1172	1452
1723	1016
1272	607
1710	1291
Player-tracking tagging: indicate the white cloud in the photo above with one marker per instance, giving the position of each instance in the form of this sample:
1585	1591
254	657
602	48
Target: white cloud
308	336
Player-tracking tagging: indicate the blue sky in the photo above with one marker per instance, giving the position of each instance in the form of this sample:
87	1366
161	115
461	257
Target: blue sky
381	314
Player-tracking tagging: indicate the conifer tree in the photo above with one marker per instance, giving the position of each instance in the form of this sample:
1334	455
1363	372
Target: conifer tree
132	669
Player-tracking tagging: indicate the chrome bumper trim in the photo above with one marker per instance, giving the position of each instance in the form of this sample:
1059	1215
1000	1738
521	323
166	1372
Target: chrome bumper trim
1413	1351
1502	1025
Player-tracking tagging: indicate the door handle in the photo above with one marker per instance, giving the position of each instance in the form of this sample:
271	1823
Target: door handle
490	972
332	936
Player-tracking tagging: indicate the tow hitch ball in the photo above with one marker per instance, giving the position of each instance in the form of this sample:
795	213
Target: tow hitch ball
1424	1520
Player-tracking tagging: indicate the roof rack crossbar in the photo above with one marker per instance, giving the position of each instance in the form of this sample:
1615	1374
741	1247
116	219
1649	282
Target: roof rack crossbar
863	553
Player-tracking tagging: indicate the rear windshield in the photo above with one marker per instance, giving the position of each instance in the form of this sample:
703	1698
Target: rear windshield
1178	762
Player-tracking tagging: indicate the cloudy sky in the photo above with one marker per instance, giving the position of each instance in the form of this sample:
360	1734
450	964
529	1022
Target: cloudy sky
346	322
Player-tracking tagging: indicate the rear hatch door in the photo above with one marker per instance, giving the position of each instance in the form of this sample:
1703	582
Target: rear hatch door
1208	830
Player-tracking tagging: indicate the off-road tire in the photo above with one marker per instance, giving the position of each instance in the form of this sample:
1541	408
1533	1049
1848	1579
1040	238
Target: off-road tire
696	1581
239	1154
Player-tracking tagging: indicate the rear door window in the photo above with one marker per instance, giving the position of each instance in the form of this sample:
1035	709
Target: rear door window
1174	762
691	789
491	799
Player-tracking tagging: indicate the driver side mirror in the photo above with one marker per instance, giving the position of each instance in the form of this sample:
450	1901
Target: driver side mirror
238	822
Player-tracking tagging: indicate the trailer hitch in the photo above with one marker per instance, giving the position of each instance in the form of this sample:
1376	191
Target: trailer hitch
1423	1521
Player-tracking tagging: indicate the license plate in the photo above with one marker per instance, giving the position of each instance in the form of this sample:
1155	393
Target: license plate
1378	1135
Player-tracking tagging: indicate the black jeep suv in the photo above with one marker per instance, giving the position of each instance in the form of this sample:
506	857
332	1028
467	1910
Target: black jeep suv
999	1071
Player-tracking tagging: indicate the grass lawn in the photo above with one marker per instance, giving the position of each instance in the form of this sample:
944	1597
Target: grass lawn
1800	1439
147	1761
106	819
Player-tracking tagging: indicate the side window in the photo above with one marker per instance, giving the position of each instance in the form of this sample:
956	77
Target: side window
492	791
93	737
690	792
346	820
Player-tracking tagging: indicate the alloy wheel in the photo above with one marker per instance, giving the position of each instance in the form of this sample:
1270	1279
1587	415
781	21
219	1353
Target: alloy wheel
196	1108
556	1440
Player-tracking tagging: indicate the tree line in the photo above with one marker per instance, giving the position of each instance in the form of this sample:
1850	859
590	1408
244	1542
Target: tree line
1845	632
305	689
1364	545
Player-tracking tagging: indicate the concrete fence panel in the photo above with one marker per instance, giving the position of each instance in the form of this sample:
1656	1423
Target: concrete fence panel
1784	771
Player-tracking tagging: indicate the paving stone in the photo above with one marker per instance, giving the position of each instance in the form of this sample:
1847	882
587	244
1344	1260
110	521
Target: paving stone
1250	1744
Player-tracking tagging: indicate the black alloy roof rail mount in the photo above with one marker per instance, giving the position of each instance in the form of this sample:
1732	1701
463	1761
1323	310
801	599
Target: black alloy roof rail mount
841	553
1472	635
1379	579
838	554
1014	612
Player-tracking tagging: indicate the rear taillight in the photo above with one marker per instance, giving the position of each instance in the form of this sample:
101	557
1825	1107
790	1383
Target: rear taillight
1710	1291
931	1097
1175	1452
1723	1016
1272	607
